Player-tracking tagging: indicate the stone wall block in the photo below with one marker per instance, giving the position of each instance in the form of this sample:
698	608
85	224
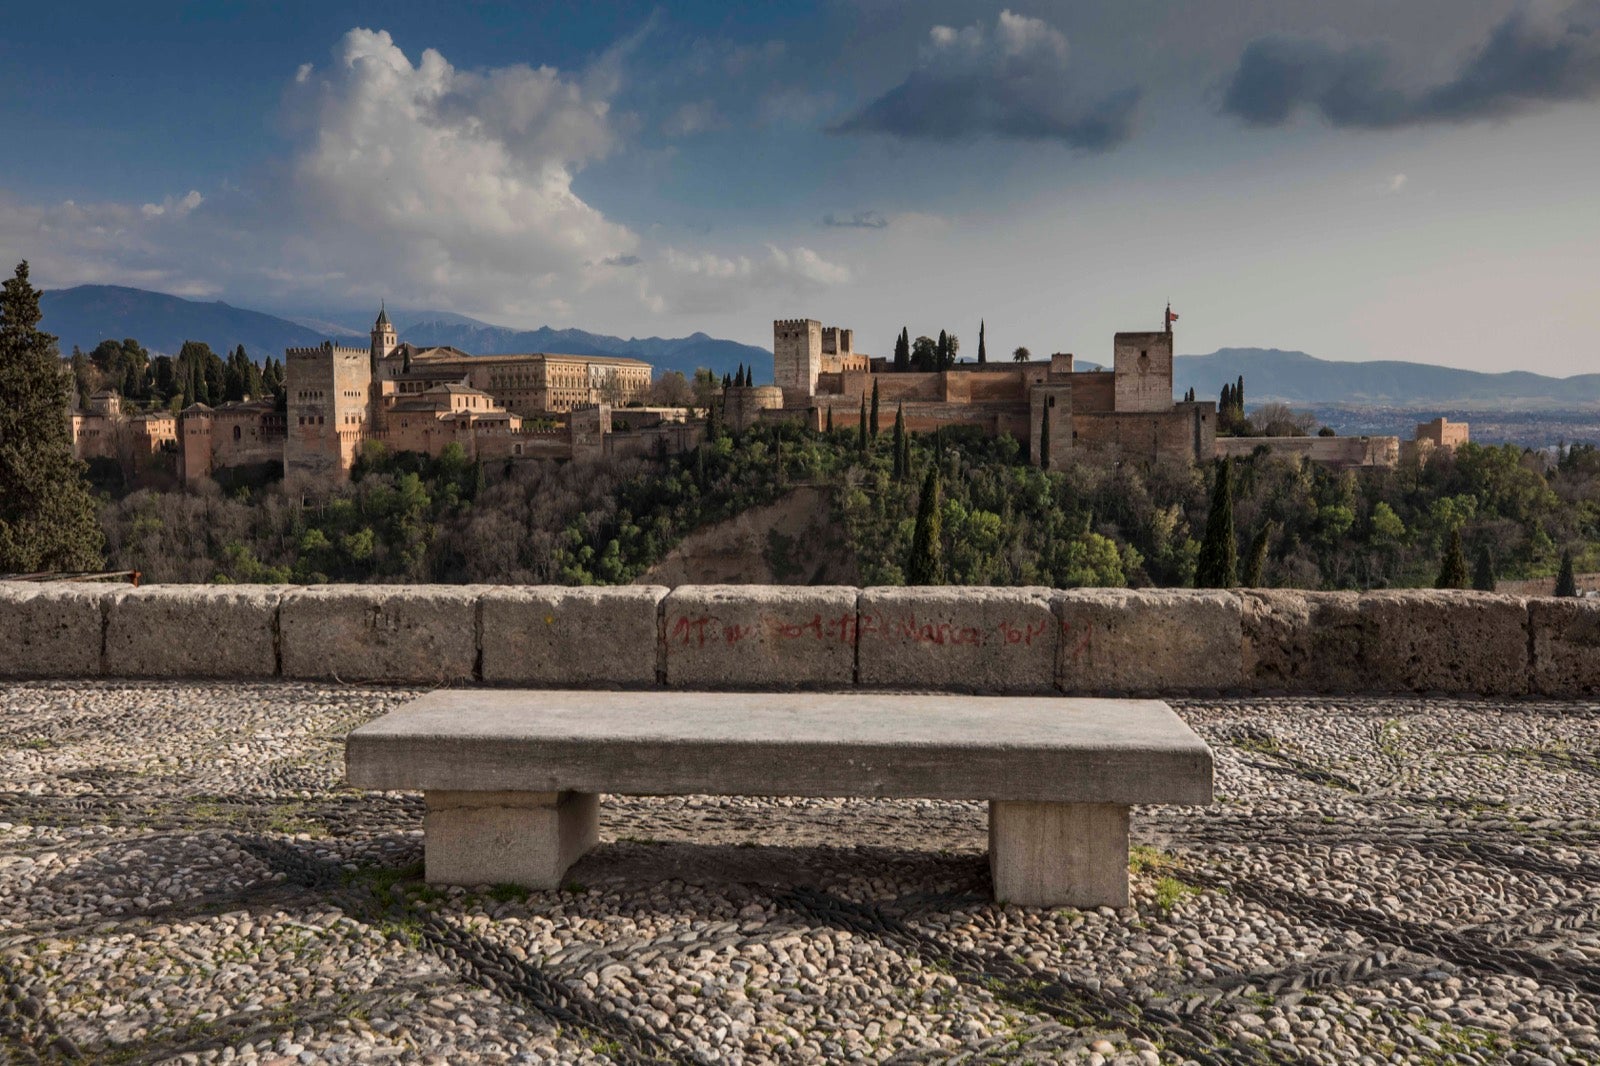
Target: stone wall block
1566	646
1474	643
52	629
759	636
552	635
989	640
1127	641
1297	641
402	633
193	631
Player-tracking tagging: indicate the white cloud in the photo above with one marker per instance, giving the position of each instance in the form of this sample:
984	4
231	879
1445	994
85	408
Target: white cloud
173	208
423	183
1397	182
709	281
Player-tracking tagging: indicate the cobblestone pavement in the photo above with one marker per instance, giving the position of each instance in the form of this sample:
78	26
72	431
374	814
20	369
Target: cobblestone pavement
183	878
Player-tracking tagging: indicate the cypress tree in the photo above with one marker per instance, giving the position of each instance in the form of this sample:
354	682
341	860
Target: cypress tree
1238	395
1483	570
905	456
1453	568
874	423
944	350
1218	565
924	565
902	351
863	441
1566	580
899	442
983	352
48	520
830	420
1255	564
1044	440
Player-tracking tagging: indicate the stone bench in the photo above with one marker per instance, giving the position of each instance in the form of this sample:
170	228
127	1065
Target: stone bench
511	779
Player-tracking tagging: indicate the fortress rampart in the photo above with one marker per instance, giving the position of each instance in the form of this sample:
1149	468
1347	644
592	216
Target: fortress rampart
767	637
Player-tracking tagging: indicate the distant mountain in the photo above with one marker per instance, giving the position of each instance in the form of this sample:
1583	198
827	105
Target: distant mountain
1297	378
683	353
88	314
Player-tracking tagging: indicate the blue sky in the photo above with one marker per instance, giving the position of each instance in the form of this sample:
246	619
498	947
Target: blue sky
1374	179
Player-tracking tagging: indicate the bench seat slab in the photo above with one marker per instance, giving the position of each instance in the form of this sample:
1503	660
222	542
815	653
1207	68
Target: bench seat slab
1059	854
520	838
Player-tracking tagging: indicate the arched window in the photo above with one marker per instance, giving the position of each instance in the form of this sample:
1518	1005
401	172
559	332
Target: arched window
237	433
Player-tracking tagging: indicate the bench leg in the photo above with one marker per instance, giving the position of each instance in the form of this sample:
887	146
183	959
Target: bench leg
1059	854
519	838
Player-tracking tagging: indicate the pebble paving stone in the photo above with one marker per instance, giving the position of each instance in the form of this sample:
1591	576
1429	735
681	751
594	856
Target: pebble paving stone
183	878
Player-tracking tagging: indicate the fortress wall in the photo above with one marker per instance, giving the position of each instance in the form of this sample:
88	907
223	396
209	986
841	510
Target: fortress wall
1093	391
1083	641
1167	434
1333	451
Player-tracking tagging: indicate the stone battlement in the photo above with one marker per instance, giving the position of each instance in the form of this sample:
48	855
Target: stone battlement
326	348
749	637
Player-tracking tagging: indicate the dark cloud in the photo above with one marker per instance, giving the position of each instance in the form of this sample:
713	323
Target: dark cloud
1010	81
1533	57
859	220
621	261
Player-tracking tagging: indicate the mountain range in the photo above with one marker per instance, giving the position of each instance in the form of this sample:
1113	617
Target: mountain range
1271	374
87	314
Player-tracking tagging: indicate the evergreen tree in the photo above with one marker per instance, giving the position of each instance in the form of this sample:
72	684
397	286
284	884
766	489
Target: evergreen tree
1218	565
905	455
943	351
1566	580
1044	440
863	441
1255	564
1483	570
924	565
902	351
727	382
48	520
830	420
983	352
873	425
713	418
1453	568
899	442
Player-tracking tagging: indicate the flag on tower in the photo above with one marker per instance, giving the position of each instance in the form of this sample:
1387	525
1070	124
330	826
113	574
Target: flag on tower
1172	316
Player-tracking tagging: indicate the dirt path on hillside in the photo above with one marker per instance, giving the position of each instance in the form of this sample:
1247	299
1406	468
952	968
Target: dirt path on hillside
791	542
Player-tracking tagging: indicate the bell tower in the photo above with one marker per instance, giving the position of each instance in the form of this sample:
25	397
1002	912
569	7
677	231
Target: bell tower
384	338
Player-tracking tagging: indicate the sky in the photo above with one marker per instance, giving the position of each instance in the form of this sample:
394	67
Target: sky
1374	179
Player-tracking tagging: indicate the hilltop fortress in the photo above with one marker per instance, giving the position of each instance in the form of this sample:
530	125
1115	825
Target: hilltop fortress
410	398
1046	403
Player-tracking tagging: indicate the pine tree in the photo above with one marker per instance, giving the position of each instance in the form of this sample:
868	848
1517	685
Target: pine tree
1044	439
48	520
1453	568
1483	570
924	565
1218	565
983	351
899	442
873	426
1255	564
1566	580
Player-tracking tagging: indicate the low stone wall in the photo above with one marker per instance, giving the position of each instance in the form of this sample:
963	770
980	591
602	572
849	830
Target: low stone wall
991	640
